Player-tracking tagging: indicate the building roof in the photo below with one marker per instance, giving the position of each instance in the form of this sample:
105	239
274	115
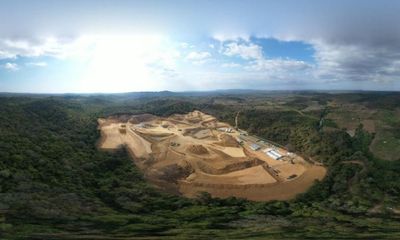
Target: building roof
254	146
274	154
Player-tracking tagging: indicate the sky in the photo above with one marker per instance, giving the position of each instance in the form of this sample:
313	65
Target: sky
54	46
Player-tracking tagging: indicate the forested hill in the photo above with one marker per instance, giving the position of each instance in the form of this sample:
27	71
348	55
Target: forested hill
55	183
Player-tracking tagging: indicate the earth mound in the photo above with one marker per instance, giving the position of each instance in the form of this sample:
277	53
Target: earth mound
136	119
174	172
228	141
197	149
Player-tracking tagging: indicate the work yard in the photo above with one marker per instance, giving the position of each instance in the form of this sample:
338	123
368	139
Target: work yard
194	152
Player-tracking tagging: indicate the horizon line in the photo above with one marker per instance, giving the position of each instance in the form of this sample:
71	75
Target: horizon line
197	91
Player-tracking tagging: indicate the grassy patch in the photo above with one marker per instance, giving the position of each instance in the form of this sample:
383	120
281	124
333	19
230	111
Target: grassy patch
386	145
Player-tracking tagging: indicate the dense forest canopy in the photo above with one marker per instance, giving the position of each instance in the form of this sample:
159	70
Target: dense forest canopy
55	183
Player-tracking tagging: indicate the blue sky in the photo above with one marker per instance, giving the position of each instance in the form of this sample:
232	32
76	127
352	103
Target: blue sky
120	46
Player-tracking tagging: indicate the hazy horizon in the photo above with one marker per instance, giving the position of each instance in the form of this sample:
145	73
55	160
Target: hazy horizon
229	91
133	46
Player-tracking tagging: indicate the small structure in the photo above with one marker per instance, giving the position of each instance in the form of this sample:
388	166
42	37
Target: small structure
254	147
273	154
227	130
291	176
242	132
122	129
174	144
239	140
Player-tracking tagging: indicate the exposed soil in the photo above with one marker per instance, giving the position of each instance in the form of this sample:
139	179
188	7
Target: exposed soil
227	140
197	149
189	153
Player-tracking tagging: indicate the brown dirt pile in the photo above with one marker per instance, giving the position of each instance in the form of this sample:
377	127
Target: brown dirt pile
136	119
197	149
228	141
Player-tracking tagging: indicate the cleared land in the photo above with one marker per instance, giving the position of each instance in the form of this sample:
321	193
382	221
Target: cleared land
386	145
191	153
383	123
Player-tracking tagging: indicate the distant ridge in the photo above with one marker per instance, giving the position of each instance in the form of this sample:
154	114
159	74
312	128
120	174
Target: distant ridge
166	93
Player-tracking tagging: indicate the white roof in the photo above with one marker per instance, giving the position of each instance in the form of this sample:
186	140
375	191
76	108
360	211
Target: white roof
254	146
272	153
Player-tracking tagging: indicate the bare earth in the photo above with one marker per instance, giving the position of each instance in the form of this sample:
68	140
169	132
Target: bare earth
191	153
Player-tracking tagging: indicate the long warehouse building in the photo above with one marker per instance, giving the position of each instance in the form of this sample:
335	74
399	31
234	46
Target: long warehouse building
273	154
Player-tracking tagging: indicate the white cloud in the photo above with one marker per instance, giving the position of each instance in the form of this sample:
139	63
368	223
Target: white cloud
197	56
244	50
256	61
206	80
358	41
184	45
152	63
4	54
52	47
37	64
11	66
356	62
278	65
224	37
231	65
129	63
28	48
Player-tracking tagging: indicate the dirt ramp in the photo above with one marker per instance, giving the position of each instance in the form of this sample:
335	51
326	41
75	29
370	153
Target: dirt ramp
136	119
197	149
256	192
171	173
229	167
228	141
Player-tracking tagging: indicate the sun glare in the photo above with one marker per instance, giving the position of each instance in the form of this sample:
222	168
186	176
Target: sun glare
121	64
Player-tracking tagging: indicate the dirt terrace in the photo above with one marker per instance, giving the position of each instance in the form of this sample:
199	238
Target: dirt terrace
190	153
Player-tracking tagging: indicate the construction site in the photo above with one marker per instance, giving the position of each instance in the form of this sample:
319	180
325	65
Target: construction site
191	153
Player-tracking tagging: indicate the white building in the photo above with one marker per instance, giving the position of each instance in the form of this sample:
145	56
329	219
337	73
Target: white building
254	147
239	140
273	153
228	130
